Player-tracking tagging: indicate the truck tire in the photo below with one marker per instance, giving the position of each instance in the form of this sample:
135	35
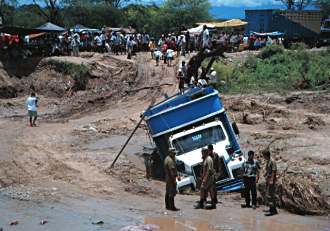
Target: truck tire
157	168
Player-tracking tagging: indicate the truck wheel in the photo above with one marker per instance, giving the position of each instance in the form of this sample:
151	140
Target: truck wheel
235	128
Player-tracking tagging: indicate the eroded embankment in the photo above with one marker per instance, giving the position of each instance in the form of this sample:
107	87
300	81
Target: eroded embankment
295	128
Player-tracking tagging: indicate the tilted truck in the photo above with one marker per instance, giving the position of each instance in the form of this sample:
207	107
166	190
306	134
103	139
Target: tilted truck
190	122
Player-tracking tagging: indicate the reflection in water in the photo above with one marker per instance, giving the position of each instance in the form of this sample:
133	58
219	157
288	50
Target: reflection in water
176	224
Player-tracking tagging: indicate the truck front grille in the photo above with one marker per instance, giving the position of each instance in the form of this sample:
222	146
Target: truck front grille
237	173
197	169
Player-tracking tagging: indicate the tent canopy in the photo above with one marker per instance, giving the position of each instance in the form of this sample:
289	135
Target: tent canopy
18	30
80	28
50	27
228	23
199	29
121	29
38	35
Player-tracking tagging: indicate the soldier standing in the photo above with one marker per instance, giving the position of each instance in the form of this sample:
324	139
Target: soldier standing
270	175
217	171
170	177
250	178
207	180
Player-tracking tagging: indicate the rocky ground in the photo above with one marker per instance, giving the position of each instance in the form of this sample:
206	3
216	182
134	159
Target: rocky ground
56	176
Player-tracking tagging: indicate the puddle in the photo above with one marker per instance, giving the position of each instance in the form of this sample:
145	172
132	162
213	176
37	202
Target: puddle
115	143
177	224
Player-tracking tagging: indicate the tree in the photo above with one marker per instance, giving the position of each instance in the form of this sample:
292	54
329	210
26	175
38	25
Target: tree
51	11
324	6
288	3
6	10
296	4
28	16
301	4
178	15
92	15
116	3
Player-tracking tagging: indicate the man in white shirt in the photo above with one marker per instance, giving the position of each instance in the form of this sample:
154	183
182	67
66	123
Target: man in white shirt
98	42
75	42
169	56
32	105
205	37
158	54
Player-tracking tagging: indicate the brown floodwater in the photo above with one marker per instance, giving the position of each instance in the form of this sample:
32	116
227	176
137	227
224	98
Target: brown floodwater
178	224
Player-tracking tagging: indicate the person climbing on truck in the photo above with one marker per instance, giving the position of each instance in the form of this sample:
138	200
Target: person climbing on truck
170	177
181	81
207	181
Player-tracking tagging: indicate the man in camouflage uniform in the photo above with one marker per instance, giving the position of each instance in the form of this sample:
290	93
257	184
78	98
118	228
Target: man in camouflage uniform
170	177
217	170
270	175
207	180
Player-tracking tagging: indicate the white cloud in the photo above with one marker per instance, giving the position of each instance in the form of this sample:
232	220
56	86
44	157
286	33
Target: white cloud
249	3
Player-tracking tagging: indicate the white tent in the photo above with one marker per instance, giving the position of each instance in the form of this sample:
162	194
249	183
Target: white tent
199	29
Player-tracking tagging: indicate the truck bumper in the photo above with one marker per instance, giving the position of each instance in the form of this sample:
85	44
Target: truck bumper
186	182
230	185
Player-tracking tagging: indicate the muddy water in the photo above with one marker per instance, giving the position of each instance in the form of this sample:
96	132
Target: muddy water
115	142
177	224
269	224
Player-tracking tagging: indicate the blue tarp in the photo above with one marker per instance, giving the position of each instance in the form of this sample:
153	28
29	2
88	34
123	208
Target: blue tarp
269	34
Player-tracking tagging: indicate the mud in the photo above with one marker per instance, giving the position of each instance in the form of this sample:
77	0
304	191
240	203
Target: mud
59	171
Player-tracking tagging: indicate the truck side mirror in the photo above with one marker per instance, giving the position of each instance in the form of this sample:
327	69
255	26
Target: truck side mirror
235	128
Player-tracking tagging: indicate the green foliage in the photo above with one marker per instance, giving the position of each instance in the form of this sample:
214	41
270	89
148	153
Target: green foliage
269	51
324	6
32	13
79	72
7	8
182	14
94	16
171	16
286	70
298	46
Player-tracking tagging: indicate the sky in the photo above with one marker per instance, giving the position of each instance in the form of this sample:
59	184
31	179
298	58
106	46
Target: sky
227	8
236	8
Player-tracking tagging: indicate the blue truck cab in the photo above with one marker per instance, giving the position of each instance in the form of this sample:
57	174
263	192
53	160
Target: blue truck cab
190	122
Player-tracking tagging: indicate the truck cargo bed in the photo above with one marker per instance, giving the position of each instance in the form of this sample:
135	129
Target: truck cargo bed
195	105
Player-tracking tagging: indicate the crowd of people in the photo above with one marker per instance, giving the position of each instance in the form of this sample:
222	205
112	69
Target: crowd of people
118	41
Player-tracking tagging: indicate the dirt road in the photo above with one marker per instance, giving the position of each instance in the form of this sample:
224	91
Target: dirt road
58	171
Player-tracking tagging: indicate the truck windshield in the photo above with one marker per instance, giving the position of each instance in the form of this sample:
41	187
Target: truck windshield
198	139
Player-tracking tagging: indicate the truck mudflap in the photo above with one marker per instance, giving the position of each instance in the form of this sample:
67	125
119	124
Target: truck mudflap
230	185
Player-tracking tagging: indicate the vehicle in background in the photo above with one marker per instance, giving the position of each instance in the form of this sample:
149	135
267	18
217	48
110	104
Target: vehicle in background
190	122
298	26
325	33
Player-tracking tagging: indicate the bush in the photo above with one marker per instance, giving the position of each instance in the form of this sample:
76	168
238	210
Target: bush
79	72
298	46
269	51
281	71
